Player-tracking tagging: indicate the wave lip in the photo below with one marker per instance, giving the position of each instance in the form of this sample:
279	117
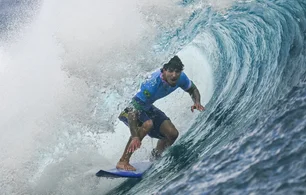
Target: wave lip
250	138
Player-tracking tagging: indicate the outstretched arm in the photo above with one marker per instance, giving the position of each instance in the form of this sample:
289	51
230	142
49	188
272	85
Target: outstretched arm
196	98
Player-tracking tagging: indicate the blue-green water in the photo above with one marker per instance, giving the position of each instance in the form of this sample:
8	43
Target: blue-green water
251	139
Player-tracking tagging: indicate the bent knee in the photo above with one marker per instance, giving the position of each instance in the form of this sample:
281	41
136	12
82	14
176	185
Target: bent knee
172	134
147	125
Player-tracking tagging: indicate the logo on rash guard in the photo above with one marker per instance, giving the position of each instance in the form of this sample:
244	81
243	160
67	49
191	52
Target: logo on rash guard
147	93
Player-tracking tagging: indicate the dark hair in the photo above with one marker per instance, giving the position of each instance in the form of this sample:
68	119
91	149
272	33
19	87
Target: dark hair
174	63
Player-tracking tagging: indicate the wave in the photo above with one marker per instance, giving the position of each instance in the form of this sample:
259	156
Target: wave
67	78
249	138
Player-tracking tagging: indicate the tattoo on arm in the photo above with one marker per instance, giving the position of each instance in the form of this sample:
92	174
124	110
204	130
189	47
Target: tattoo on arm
132	118
196	97
194	93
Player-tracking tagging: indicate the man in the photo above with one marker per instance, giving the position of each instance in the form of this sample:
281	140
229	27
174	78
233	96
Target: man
143	118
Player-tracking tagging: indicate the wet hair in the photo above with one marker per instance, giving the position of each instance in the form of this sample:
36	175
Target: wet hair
175	63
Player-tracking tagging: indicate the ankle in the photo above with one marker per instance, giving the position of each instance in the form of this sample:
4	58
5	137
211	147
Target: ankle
123	160
155	152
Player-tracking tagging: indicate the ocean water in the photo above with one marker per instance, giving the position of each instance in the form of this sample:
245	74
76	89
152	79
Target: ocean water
66	72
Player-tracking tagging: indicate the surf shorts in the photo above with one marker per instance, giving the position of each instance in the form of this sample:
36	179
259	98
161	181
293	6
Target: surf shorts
155	114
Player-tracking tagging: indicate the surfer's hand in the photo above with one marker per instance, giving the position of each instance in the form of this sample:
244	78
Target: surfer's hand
134	145
197	106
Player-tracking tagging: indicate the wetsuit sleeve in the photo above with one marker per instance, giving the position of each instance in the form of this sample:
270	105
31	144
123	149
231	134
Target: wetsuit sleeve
184	82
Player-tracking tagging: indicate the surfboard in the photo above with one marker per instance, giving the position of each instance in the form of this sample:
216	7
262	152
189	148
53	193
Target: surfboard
141	167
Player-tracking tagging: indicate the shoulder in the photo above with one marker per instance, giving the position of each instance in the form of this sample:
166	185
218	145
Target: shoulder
183	78
183	75
184	82
153	79
155	75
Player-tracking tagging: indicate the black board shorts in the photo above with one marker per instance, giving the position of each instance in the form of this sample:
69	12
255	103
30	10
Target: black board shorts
155	114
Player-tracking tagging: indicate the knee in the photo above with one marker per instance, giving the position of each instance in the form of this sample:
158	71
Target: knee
145	128
147	125
173	134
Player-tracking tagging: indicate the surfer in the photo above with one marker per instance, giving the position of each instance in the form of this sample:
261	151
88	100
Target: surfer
143	118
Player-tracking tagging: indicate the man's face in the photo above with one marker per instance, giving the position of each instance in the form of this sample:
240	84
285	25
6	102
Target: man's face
171	76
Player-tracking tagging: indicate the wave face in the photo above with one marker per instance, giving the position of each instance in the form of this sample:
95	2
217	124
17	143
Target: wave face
251	138
246	57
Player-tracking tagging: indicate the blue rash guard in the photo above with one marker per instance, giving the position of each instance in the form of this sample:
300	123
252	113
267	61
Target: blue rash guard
155	88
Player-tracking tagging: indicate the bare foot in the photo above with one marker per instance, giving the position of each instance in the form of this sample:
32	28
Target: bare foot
125	166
